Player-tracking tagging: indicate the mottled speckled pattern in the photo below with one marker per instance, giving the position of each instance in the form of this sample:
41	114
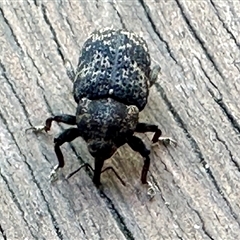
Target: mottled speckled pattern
105	123
116	64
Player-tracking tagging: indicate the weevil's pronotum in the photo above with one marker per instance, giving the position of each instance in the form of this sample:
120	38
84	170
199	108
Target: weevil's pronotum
111	87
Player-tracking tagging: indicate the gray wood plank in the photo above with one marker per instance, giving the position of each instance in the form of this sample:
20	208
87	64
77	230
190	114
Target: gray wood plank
195	101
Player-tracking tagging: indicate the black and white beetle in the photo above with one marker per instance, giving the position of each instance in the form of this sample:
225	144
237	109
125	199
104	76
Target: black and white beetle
111	87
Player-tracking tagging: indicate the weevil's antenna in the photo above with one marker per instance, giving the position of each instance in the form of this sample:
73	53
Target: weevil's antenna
115	172
87	165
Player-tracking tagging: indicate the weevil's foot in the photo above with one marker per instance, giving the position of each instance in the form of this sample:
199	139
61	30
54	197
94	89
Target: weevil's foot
37	129
154	74
166	141
54	174
151	192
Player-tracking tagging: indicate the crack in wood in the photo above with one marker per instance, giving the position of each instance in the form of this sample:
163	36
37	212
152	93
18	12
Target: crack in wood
14	92
224	25
202	222
195	148
198	38
54	34
117	216
17	203
119	15
3	233
228	150
221	104
148	15
12	32
54	221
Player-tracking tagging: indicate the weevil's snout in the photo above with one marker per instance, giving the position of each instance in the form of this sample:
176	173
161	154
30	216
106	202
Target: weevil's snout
101	149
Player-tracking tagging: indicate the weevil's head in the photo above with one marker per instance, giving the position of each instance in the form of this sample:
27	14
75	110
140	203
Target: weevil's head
105	124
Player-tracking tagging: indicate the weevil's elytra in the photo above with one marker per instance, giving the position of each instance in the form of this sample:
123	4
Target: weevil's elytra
111	87
114	62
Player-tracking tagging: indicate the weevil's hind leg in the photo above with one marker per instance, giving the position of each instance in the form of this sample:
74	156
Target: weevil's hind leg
137	145
145	127
97	171
63	118
154	74
69	69
67	136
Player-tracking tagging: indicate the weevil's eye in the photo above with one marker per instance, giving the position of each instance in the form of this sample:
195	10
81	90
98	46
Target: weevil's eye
132	110
92	148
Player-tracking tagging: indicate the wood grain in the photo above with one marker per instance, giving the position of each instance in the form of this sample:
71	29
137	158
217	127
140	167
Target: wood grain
195	101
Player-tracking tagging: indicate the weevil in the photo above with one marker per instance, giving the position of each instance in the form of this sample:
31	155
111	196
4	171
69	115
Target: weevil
111	87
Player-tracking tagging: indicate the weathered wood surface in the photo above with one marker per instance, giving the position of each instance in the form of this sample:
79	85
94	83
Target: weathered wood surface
195	101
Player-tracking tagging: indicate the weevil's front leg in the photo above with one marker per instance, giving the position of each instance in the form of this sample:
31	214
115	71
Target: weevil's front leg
63	118
67	136
97	171
137	145
145	127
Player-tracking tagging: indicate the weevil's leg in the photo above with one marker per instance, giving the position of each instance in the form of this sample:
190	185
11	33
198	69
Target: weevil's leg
67	136
115	172
137	145
97	171
63	118
154	74
69	69
145	127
